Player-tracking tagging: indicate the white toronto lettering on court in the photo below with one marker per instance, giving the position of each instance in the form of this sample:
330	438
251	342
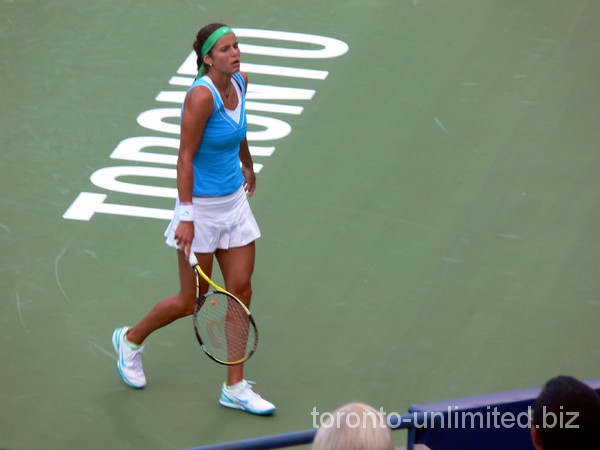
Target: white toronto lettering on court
261	99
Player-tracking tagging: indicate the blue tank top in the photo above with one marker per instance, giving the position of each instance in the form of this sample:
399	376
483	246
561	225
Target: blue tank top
217	170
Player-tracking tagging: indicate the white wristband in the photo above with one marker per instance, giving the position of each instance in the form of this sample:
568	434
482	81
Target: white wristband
186	213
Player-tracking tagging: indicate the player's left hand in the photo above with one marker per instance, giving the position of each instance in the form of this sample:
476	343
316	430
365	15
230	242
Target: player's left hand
249	179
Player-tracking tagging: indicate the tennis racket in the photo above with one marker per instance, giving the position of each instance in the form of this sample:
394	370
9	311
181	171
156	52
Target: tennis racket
224	327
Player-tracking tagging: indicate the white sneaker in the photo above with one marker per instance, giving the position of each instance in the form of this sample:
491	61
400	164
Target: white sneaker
129	361
241	396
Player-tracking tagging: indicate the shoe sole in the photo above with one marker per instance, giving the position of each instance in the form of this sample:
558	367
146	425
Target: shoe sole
232	405
116	340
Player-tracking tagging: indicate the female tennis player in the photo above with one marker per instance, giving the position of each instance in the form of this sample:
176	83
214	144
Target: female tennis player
212	215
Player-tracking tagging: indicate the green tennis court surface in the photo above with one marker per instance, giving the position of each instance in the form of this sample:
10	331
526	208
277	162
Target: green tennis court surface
429	202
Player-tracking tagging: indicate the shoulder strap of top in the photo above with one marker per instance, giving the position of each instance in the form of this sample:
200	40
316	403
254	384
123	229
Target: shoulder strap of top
201	82
239	79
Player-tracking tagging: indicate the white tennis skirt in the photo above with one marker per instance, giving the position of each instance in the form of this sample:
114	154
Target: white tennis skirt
219	222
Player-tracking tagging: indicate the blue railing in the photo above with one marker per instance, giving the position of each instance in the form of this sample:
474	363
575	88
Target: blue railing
267	442
296	438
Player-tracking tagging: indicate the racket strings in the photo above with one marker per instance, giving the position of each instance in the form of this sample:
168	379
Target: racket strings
223	325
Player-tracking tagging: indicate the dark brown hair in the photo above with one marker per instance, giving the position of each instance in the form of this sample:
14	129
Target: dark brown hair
565	398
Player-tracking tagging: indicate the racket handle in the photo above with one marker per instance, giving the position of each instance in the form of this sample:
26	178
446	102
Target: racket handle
192	259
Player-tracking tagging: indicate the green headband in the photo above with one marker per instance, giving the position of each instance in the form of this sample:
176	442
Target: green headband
210	43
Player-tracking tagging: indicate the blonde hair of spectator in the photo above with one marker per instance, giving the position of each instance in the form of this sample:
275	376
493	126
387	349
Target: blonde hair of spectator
354	426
